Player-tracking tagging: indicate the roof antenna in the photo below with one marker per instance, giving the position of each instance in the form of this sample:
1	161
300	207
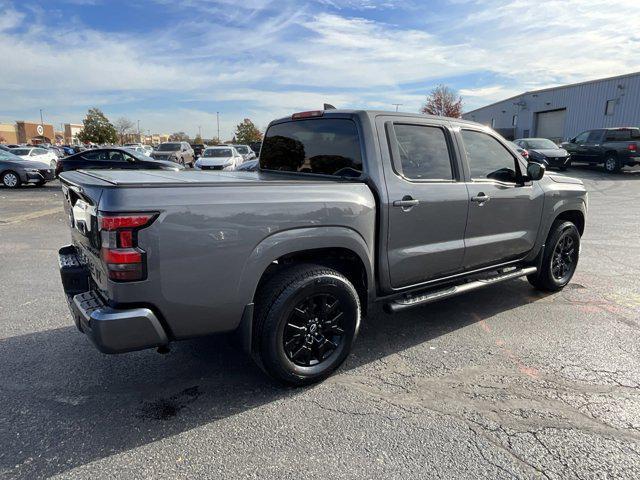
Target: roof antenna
328	106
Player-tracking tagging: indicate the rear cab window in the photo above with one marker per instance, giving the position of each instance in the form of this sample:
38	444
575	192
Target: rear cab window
622	134
324	146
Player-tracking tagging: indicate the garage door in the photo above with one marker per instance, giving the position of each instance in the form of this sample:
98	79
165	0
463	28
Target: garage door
551	124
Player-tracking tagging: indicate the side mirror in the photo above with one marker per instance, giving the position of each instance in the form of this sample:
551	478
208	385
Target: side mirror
535	171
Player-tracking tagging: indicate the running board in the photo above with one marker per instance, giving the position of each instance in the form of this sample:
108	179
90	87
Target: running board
411	301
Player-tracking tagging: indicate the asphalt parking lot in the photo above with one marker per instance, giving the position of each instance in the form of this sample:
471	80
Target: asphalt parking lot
504	382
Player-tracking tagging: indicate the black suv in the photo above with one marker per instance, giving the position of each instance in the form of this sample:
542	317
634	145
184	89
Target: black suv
613	148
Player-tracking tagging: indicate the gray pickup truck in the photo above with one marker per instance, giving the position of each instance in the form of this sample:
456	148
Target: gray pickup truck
348	208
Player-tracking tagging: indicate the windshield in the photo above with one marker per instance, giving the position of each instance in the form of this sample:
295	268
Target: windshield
169	147
242	149
21	151
218	152
324	146
541	143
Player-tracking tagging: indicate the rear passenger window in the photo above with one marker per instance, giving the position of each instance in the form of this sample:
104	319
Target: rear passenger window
424	153
488	158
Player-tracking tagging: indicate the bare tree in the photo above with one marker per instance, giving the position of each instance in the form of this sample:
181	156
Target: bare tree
443	102
123	127
178	137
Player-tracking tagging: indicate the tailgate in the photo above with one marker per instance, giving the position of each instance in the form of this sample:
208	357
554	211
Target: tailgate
81	206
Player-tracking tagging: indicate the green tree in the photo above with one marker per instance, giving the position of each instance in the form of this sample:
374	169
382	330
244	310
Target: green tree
247	132
198	139
213	141
97	128
443	102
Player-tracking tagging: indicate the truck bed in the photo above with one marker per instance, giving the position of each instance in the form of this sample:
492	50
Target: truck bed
184	178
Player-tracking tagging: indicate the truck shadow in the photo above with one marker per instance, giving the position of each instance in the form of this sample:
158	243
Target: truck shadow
65	404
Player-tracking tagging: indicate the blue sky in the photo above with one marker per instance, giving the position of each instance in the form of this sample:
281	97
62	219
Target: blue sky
173	64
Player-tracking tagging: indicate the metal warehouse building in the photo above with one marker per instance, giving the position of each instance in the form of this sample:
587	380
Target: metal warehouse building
561	113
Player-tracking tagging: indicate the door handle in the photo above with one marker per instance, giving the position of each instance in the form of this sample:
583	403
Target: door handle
481	198
406	203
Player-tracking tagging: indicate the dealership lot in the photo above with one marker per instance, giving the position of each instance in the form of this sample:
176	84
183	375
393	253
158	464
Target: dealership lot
502	382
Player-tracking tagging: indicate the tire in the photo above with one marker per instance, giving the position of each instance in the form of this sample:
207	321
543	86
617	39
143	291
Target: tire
559	261
612	164
11	179
307	317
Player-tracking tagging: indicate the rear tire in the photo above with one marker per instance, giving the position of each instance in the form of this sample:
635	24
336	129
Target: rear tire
307	317
612	164
11	179
559	258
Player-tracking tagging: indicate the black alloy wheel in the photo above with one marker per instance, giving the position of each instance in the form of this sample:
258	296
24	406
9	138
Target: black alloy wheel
314	330
306	319
564	258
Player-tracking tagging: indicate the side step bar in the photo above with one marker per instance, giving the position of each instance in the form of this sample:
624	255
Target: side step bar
416	300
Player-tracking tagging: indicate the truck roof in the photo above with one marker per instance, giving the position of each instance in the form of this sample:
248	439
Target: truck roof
375	113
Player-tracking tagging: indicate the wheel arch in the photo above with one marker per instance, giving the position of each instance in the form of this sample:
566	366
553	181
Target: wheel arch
574	216
340	248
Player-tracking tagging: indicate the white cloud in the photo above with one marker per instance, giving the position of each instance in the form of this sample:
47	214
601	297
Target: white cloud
292	56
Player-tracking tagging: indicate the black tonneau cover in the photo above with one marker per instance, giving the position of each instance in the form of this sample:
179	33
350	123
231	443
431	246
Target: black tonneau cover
182	178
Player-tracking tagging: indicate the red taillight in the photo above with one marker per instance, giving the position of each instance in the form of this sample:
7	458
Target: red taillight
525	153
310	114
632	147
120	252
115	222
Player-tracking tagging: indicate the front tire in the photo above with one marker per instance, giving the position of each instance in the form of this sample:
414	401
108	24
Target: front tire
559	258
307	317
11	179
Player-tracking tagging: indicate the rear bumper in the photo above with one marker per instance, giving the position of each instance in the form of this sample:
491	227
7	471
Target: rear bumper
112	330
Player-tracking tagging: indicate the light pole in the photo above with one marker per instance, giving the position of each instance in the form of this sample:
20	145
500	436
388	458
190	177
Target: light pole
139	131
199	131
218	120
397	105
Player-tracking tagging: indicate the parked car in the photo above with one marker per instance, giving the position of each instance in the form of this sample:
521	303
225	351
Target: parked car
198	148
15	171
38	154
136	148
178	152
544	151
68	150
4	148
614	148
435	208
113	159
223	157
521	151
57	150
245	151
250	166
